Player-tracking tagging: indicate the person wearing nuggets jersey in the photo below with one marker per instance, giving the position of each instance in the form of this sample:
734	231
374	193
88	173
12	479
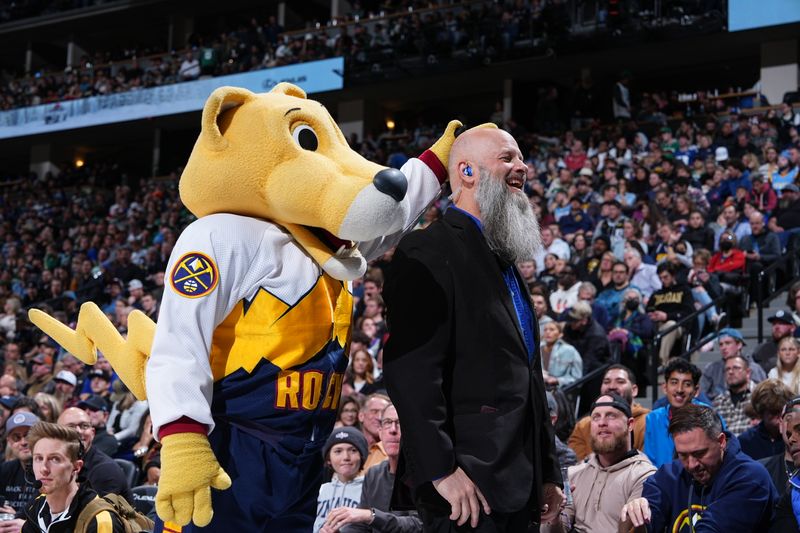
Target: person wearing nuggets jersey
246	362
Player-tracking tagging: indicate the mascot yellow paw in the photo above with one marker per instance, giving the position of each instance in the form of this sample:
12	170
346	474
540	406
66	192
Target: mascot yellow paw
189	472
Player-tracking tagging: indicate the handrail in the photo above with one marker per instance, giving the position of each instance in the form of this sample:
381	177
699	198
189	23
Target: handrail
655	344
790	257
682	321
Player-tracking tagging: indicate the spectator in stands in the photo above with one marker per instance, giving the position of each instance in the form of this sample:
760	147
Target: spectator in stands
41	374
785	219
587	336
370	420
97	409
599	268
49	406
787	520
620	380
587	293
767	402
729	221
612	226
697	233
712	478
16	484
349	407
705	288
576	221
373	514
99	383
731	343
551	245
125	419
729	261
562	362
57	463
681	382
632	327
345	452
103	474
566	455
762	197
360	374
8	320
670	246
762	247
611	476
783	325
787	368
669	305
643	276
611	297
731	404
793	303
567	292
64	388
190	67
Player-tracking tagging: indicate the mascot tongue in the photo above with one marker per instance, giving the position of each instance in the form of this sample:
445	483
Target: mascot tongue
339	259
330	240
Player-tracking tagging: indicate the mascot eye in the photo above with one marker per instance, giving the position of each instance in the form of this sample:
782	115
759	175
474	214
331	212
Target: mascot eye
306	138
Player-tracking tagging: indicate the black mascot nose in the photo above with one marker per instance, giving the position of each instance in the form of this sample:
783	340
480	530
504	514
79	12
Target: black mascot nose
392	182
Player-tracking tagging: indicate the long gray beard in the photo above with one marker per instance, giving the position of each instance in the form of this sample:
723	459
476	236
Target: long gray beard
509	223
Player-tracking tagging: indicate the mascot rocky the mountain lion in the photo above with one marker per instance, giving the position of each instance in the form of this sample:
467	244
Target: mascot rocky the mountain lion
244	369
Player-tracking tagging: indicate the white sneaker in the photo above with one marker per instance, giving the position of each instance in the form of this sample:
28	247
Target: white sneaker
707	347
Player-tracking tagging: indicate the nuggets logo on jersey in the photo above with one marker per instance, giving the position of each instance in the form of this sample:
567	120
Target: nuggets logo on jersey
194	275
687	520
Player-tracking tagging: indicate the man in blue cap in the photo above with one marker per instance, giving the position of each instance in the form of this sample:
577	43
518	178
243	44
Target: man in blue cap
731	343
16	479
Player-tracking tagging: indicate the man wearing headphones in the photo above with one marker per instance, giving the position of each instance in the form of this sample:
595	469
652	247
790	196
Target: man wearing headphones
57	461
103	474
464	370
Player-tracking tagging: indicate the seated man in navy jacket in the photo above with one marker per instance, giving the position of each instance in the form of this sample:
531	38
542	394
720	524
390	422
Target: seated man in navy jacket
712	486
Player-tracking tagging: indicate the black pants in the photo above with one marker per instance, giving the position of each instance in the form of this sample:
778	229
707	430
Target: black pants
435	514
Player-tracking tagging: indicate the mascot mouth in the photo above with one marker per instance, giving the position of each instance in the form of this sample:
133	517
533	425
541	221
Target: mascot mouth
334	243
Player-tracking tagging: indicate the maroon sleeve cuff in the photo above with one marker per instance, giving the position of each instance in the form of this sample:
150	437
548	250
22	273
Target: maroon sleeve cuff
182	425
430	159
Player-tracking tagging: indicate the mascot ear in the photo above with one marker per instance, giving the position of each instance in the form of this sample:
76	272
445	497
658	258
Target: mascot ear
289	90
221	100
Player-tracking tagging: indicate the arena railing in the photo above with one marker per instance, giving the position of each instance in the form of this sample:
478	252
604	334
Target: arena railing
655	344
792	261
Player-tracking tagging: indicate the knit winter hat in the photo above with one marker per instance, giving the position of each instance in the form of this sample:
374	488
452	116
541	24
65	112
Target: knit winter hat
347	435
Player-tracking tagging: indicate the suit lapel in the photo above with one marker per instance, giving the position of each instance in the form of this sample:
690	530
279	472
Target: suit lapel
490	264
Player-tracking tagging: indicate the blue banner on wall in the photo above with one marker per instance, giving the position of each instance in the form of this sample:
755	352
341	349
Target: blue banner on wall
313	77
749	14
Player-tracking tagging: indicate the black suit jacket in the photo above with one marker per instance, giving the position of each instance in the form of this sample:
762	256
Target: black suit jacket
457	370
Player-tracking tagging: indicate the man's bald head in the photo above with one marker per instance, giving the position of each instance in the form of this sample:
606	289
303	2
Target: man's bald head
473	148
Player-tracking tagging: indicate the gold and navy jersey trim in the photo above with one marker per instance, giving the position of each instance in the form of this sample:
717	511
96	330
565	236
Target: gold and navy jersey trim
286	335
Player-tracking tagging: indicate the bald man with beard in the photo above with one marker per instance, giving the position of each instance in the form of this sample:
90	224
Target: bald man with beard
462	363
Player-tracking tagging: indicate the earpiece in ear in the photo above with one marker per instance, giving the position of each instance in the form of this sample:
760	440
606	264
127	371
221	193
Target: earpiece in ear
468	170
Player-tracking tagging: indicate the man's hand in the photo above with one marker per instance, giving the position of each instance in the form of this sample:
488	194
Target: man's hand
753	256
12	526
464	496
553	501
636	512
341	516
658	316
